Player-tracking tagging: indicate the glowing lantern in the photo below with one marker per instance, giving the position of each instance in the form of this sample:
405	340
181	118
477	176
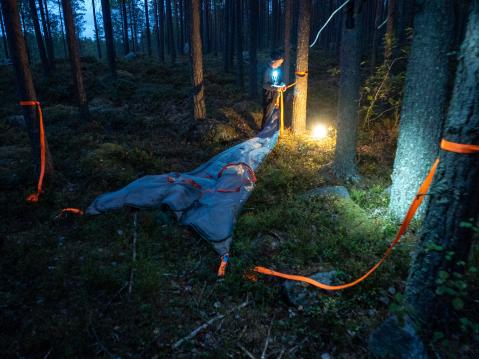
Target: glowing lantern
319	132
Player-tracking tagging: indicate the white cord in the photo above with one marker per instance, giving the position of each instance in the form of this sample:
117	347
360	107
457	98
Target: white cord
327	22
385	21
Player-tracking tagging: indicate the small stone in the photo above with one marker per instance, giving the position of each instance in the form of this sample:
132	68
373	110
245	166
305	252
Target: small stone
325	356
120	232
217	305
392	290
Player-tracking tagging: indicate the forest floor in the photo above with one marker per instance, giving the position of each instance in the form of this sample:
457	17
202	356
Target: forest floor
62	281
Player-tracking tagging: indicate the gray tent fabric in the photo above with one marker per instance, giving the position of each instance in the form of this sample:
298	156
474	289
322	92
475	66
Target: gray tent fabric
209	198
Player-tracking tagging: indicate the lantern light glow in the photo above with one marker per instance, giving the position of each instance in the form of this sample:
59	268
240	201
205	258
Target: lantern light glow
319	132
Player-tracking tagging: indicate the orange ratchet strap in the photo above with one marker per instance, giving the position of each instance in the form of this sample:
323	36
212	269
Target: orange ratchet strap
423	189
34	196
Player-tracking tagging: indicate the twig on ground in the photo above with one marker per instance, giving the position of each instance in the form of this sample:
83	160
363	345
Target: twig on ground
293	349
266	343
246	351
195	332
281	354
99	342
47	354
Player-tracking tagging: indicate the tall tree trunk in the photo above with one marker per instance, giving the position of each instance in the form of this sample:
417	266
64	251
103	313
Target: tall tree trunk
64	41
24	81
46	35
108	30
97	35
239	43
206	38
124	16
302	53
39	38
344	164
377	22
74	53
454	192
424	102
197	62
232	34
389	39
226	36
147	26
25	32
132	24
288	12
444	242
161	32
275	15
253	47
4	37
156	28
171	37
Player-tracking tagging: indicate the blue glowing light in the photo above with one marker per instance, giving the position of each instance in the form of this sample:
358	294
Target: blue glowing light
275	75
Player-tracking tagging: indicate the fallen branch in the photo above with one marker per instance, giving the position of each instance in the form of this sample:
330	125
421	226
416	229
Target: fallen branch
246	351
266	343
203	326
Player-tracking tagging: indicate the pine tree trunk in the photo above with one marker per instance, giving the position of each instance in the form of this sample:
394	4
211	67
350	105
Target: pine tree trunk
344	164
239	44
253	47
288	8
302	53
39	38
46	36
169	25
454	193
4	37
232	35
226	36
74	53
424	102
108	30
124	16
389	39
206	38
377	22
24	81
147	26
197	63
161	16
97	35
64	42
25	32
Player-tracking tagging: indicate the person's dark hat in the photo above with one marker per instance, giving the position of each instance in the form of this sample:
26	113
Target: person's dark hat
277	55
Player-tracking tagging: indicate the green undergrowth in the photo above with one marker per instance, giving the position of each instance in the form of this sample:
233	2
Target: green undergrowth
63	282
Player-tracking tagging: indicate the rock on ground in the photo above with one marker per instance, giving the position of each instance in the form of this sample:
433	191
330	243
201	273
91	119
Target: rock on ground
302	294
393	339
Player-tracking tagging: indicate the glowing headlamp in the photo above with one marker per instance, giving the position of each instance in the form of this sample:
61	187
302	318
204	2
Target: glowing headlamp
275	75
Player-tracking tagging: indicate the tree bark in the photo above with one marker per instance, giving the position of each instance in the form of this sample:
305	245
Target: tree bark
239	43
454	193
97	35
197	62
24	81
46	36
25	33
124	16
288	12
344	164
424	102
74	53
161	18
64	42
377	22
108	30
302	53
147	29
253	47
4	37
171	38
38	35
226	30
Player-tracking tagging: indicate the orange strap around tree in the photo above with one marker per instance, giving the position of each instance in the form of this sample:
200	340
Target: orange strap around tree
34	196
423	189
